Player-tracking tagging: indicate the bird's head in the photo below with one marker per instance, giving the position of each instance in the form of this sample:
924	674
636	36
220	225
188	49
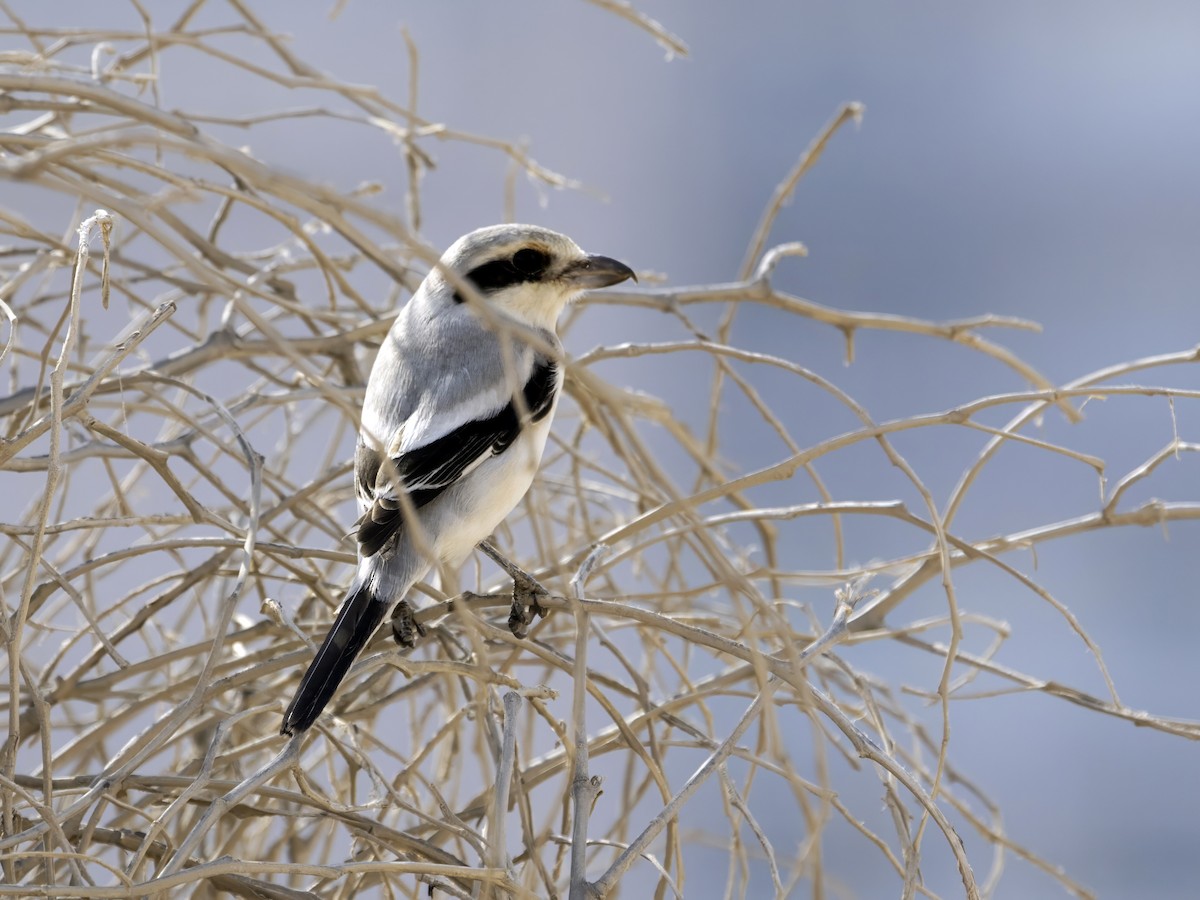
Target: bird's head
528	272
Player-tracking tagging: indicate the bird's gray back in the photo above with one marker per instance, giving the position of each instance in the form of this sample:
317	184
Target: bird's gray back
436	369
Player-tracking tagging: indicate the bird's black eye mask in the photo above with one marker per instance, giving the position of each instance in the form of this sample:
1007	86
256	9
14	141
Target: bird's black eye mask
527	264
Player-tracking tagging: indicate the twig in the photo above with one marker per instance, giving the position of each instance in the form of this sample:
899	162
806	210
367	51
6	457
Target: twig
584	788
835	632
497	834
783	192
286	757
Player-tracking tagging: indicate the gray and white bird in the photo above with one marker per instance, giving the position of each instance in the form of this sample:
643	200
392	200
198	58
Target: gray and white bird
455	419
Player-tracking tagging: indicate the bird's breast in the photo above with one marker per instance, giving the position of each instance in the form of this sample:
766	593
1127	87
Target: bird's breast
490	493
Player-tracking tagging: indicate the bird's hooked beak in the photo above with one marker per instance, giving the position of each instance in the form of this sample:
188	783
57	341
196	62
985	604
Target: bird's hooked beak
596	272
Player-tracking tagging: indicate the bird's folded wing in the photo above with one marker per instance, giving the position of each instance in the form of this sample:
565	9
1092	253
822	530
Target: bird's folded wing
425	470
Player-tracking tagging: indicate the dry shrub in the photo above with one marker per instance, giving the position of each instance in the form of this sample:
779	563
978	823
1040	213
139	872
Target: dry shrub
180	496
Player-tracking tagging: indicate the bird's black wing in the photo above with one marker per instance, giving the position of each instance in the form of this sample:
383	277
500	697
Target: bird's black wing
426	471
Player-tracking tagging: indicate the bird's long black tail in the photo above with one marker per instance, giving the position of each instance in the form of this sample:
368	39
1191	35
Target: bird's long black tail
356	621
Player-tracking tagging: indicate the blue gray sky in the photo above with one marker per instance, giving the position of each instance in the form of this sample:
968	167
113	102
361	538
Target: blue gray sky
1022	159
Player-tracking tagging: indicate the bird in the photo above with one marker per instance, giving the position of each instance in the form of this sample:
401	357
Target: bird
455	418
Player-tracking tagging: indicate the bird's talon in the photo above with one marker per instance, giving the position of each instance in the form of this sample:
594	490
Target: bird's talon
406	630
525	606
518	622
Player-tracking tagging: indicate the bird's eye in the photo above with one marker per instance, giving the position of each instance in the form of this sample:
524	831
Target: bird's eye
528	261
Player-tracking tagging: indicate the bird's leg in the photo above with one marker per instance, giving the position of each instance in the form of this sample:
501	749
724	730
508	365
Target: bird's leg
526	592
405	627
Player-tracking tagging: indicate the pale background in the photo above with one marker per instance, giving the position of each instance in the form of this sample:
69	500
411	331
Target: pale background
1023	159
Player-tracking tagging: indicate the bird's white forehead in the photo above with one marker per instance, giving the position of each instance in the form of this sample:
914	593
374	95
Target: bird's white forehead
496	241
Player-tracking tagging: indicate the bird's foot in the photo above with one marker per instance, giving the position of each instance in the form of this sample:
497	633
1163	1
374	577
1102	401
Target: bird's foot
405	627
526	595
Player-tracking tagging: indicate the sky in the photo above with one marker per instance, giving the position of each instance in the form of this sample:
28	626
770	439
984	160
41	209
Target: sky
1023	159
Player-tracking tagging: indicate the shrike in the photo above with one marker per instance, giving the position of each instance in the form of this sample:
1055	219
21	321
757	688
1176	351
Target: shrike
457	410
